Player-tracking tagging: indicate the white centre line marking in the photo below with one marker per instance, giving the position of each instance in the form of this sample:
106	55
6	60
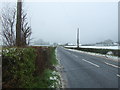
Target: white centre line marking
112	65
118	75
91	63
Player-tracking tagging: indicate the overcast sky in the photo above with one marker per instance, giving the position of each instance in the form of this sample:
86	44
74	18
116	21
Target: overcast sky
58	22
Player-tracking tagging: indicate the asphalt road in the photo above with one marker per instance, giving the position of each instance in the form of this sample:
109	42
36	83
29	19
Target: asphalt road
87	71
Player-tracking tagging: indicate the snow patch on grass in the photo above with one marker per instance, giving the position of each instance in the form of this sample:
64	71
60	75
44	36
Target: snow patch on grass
56	78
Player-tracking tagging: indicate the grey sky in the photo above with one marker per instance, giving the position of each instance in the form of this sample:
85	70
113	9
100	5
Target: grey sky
58	22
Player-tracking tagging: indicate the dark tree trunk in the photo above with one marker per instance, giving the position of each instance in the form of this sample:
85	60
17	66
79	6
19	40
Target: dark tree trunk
18	23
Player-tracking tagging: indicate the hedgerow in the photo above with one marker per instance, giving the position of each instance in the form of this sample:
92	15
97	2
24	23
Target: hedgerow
30	67
18	66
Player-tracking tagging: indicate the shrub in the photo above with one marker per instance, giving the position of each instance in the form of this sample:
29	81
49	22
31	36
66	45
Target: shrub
18	65
29	67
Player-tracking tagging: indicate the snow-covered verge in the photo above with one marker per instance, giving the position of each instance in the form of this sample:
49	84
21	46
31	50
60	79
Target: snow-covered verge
56	78
97	47
59	69
0	50
0	57
114	58
52	75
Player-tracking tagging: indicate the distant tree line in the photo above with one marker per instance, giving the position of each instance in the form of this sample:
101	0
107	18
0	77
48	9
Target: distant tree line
41	42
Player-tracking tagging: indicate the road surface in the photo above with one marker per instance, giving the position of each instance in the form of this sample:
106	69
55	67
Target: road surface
86	71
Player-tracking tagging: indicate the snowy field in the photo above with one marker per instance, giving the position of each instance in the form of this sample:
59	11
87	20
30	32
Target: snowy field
114	58
97	47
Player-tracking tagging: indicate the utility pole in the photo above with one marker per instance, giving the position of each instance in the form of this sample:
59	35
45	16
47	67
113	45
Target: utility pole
18	23
78	38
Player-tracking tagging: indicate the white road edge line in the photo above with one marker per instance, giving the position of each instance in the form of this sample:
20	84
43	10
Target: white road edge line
75	56
72	54
68	52
91	63
112	65
118	75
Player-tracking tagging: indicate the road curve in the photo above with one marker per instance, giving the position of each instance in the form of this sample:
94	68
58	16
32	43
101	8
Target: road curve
86	71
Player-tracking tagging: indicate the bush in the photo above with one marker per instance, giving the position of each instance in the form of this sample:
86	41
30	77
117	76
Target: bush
18	65
29	67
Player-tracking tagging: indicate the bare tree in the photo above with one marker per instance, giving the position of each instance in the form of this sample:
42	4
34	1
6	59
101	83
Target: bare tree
26	30
8	26
23	29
